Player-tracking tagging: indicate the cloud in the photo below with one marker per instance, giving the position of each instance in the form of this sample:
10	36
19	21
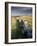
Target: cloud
21	11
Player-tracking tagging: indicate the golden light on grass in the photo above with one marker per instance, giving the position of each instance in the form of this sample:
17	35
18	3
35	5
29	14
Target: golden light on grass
22	17
13	20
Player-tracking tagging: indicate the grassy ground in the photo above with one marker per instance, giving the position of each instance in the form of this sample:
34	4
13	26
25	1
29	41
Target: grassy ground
13	20
14	25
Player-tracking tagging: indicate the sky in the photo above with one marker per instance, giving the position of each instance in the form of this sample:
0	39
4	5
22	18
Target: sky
20	11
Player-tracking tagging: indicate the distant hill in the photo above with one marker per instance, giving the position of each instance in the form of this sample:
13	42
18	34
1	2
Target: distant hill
22	17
